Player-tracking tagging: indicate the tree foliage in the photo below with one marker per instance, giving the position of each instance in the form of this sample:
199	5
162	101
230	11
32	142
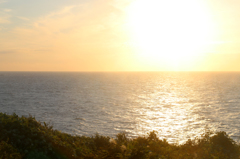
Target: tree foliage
26	138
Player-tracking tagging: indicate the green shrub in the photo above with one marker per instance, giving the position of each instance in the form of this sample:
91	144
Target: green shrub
7	151
26	138
37	155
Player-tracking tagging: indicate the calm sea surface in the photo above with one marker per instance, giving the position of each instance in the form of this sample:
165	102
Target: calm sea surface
177	105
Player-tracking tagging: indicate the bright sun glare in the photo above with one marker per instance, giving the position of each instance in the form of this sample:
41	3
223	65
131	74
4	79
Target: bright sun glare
172	31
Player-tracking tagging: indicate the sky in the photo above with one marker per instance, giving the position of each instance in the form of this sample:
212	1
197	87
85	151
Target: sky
119	35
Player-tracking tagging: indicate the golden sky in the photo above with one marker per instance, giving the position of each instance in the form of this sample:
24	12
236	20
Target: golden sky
119	35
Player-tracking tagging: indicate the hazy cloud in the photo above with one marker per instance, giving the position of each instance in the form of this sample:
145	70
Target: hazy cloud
43	50
7	51
7	10
5	16
2	1
4	20
86	23
74	33
23	18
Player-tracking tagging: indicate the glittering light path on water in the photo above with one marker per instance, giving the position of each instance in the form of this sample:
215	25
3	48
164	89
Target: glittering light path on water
178	106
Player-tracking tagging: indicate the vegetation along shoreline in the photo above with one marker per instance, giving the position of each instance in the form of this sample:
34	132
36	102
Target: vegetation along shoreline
26	138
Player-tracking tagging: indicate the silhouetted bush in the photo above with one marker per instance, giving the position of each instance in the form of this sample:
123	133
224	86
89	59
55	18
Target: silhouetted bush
26	138
8	151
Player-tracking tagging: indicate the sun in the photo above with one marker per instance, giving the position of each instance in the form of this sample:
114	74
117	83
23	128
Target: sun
173	31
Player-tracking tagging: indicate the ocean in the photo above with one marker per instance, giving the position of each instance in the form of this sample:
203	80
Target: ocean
177	105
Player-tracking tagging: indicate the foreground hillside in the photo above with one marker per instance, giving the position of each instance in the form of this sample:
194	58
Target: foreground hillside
26	138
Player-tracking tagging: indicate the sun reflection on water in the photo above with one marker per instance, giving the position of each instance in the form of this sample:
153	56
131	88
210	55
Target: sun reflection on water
178	106
170	114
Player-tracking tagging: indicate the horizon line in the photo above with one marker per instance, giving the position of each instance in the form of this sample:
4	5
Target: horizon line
110	71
